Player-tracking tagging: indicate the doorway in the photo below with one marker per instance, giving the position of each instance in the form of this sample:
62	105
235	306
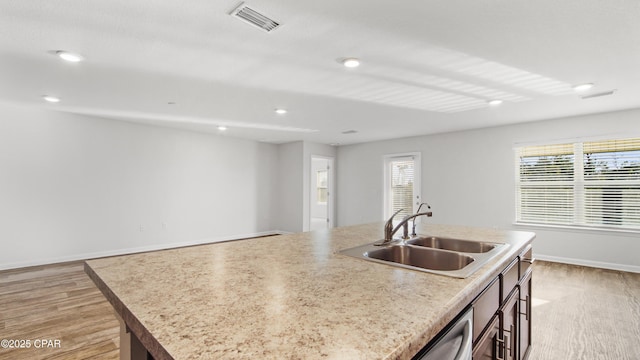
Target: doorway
321	193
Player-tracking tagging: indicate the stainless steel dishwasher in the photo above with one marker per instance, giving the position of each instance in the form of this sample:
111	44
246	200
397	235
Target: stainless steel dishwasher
453	344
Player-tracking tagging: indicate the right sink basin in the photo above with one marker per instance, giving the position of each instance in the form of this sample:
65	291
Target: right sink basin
452	244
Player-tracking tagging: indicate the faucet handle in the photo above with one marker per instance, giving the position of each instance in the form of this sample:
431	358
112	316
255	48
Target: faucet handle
388	228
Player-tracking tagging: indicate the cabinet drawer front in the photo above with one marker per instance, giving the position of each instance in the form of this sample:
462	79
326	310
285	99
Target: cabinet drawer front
509	279
485	307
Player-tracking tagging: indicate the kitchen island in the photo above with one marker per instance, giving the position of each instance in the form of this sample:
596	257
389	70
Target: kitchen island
290	296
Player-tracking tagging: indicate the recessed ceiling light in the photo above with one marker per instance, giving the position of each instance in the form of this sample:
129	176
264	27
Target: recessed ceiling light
495	102
351	62
222	128
69	56
281	111
51	99
583	87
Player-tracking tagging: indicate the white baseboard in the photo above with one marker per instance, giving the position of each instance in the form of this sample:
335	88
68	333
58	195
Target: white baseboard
87	256
589	263
282	232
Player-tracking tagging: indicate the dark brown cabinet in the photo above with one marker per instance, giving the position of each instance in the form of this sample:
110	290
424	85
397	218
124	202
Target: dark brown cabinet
486	347
525	315
508	343
502	313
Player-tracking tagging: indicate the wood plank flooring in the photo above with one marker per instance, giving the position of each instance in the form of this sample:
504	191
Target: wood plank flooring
585	313
56	302
578	313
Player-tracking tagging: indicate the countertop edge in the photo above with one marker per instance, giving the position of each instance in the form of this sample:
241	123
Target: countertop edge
133	324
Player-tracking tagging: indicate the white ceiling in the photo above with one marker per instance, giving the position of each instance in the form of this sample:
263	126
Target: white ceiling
427	66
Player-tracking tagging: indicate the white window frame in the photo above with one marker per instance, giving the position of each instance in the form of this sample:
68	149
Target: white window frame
417	186
579	189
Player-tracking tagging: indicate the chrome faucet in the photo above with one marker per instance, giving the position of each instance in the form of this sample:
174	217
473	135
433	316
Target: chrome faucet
413	232
389	230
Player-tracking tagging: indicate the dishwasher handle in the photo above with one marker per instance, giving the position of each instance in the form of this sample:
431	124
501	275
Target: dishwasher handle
455	344
466	346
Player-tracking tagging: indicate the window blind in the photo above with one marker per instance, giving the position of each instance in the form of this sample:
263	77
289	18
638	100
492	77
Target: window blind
585	184
402	180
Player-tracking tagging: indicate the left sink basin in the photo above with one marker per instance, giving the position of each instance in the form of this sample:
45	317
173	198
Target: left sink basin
421	257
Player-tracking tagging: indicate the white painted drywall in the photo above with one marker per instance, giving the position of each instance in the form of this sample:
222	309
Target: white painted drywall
289	210
294	167
468	178
73	187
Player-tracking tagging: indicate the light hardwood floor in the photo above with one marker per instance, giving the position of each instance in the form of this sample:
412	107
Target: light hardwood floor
585	313
579	313
56	302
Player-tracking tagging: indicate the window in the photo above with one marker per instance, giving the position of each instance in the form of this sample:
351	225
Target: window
592	184
321	186
402	184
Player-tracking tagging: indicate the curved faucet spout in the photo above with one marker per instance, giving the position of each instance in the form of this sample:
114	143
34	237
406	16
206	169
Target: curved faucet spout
413	229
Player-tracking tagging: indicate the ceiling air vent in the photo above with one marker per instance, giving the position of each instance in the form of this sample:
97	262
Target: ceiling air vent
253	17
350	132
606	93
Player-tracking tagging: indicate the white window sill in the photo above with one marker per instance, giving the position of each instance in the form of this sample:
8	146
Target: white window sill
574	228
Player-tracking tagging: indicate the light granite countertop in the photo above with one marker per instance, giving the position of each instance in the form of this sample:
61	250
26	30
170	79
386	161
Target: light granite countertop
290	296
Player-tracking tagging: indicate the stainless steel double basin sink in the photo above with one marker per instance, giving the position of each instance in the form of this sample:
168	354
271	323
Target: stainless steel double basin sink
446	256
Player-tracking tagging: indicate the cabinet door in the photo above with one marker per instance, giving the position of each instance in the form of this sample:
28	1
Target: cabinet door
487	346
525	315
485	307
509	326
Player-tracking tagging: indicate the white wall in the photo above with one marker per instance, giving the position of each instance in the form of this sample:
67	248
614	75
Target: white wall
294	167
289	211
468	178
73	187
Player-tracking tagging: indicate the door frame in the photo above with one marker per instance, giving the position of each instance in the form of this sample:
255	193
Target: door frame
417	181
330	188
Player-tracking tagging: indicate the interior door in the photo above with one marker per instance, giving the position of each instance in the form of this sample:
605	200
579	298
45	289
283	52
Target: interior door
320	199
